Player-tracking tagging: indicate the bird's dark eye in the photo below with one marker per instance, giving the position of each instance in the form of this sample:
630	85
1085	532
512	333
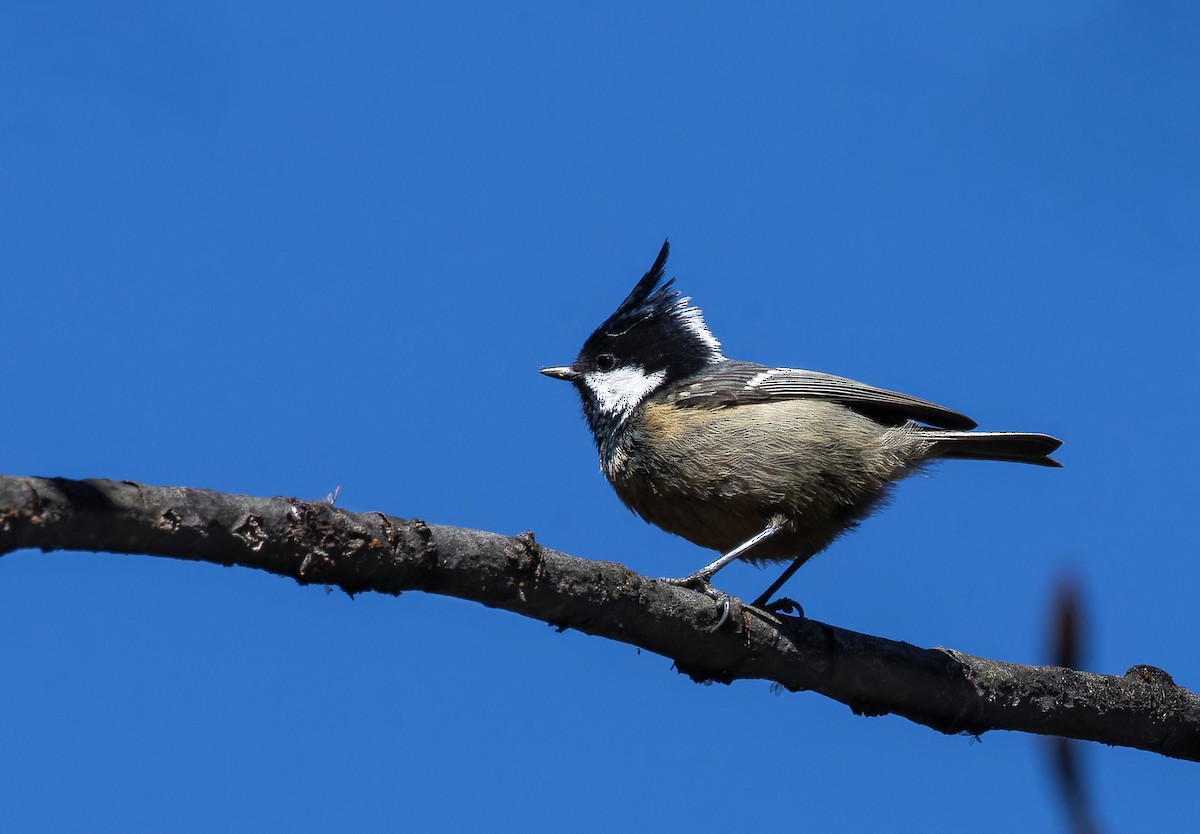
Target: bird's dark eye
606	362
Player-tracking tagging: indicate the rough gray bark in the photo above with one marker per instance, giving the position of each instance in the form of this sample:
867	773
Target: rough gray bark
314	542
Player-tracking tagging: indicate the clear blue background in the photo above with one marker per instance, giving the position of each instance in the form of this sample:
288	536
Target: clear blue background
274	248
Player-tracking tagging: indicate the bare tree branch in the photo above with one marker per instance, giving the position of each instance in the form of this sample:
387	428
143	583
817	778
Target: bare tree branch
313	542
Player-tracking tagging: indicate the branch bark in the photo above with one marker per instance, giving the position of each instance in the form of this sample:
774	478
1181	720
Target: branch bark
313	542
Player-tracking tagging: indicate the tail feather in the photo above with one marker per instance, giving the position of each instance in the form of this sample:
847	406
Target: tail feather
1019	447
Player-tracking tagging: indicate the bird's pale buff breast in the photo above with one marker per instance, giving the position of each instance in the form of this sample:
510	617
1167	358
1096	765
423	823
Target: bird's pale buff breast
715	476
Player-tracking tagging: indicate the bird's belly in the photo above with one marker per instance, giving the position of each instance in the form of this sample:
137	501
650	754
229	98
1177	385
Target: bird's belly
724	510
718	495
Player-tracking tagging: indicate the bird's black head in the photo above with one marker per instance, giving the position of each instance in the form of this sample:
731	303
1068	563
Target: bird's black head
655	338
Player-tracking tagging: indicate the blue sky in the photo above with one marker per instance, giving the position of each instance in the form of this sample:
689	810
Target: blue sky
274	248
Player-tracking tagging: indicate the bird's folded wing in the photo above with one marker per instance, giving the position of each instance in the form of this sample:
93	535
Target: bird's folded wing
744	383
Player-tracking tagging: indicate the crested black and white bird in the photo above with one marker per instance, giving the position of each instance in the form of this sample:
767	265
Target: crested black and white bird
758	463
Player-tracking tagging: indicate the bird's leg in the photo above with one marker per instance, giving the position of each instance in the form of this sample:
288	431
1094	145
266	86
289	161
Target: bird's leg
766	595
702	577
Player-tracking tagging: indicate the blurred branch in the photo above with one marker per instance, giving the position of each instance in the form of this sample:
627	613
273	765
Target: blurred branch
313	542
1068	630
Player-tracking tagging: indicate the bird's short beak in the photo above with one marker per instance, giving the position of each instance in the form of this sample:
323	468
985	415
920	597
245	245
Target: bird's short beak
565	372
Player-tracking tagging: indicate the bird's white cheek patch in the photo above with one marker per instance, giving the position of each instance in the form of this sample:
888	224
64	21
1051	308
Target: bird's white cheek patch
620	390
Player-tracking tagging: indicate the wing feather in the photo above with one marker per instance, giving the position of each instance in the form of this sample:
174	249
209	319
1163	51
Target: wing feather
744	383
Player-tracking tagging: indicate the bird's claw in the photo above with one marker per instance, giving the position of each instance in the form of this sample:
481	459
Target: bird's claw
726	607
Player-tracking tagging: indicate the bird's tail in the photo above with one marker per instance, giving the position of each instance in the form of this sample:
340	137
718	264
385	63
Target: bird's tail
1018	447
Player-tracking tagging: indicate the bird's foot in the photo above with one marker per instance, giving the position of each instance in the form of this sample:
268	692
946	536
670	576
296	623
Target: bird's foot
783	605
699	582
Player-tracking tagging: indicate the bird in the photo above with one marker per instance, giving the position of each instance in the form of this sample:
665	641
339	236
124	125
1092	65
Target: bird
764	464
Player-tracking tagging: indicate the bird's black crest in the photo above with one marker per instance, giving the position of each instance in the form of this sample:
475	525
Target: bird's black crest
654	328
647	299
653	339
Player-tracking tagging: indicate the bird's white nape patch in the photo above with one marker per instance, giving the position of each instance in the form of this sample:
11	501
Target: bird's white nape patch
621	390
691	318
759	378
